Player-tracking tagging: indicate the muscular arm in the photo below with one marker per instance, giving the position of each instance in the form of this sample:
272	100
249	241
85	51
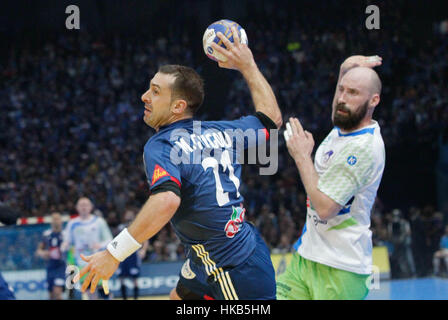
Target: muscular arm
300	145
240	57
325	207
154	215
262	94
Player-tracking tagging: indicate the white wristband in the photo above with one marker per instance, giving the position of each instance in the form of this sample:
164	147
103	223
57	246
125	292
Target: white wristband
123	245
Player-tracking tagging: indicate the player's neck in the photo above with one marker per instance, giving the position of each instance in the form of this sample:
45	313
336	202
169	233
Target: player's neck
174	119
87	217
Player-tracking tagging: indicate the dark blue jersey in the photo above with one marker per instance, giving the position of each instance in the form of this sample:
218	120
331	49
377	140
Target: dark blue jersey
52	242
203	158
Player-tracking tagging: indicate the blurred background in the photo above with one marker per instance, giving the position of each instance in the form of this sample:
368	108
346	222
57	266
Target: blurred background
71	115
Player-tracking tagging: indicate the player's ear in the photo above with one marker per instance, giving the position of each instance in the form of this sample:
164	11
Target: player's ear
375	100
179	106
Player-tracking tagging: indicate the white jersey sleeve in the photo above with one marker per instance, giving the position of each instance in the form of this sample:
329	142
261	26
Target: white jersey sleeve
349	171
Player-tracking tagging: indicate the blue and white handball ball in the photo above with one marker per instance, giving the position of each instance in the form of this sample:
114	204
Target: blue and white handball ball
210	35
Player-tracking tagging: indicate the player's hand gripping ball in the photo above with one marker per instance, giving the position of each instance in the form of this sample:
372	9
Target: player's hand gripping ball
210	35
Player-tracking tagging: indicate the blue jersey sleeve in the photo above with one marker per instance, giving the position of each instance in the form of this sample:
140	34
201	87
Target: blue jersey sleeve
158	166
249	122
248	129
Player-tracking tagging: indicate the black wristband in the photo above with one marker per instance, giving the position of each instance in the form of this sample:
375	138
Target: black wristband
265	120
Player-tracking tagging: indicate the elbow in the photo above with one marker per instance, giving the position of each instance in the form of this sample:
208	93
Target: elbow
171	201
326	213
279	122
323	215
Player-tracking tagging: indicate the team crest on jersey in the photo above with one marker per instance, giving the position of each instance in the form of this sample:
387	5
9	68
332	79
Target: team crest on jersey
159	172
234	224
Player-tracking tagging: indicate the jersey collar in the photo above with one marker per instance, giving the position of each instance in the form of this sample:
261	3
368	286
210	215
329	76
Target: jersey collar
368	130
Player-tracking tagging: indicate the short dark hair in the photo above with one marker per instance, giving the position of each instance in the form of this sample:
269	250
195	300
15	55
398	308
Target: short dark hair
188	85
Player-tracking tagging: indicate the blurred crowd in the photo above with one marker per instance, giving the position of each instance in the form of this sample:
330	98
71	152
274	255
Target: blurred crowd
74	124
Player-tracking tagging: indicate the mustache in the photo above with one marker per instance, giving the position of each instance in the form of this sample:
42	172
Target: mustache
342	107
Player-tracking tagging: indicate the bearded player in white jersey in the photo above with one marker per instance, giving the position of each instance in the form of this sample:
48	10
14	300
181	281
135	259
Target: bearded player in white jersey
333	258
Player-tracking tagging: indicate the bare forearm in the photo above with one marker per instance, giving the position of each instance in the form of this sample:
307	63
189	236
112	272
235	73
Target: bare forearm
323	205
309	178
342	70
262	94
154	215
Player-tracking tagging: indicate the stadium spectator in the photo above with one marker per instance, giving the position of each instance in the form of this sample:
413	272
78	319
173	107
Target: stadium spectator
157	253
402	260
441	254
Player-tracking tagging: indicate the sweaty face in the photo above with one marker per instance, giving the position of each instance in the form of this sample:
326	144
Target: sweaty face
351	103
157	100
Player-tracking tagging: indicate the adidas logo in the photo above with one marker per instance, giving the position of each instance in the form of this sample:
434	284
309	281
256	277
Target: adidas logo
114	244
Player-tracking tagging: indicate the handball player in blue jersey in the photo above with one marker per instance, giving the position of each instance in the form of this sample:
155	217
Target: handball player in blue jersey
50	249
194	181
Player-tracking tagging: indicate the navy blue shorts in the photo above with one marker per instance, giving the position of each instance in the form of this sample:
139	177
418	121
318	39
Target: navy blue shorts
130	267
55	278
5	292
252	280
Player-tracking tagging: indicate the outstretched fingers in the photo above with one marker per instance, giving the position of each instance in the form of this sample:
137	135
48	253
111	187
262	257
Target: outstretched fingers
236	37
229	45
95	280
296	126
87	281
221	50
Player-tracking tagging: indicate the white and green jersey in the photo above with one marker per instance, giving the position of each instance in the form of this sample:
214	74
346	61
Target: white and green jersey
86	235
350	167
